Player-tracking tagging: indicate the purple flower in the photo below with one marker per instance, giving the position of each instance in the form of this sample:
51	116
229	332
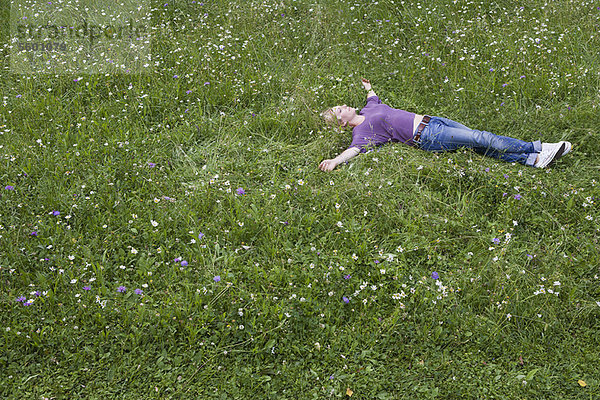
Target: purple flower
217	278
504	194
240	191
175	76
18	96
517	197
138	291
184	263
121	289
9	187
21	299
346	300
200	236
206	83
27	303
151	164
347	276
496	240
435	275
87	288
55	213
504	84
522	76
37	293
177	259
34	233
491	69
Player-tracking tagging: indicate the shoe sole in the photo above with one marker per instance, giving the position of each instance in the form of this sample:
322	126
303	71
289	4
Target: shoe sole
558	154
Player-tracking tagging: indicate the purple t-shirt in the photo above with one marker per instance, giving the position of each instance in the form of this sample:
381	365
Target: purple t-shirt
382	124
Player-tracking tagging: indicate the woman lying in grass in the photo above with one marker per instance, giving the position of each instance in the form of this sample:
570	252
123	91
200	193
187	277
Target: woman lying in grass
378	123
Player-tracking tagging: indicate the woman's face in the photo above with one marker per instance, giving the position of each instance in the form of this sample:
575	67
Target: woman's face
343	114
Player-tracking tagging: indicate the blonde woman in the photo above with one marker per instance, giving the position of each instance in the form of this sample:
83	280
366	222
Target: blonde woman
378	123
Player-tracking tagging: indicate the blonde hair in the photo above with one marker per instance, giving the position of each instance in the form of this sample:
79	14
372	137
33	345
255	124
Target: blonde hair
330	117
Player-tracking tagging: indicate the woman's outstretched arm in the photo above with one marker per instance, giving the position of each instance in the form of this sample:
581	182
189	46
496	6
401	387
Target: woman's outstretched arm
367	85
329	165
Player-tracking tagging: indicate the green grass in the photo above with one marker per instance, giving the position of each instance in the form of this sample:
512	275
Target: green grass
140	165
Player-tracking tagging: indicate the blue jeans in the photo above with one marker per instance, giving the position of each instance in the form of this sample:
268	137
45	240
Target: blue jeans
443	134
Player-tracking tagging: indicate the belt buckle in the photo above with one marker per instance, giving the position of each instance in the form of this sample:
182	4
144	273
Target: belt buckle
422	125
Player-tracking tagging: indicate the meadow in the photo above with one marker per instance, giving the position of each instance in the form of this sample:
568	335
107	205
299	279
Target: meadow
167	233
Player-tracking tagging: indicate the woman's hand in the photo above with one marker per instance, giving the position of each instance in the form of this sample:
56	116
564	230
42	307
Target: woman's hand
366	83
327	165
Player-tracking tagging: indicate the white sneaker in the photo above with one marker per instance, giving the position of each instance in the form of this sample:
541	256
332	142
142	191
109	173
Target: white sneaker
567	146
550	153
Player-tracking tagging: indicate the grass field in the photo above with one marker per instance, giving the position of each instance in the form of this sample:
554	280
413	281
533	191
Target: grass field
167	233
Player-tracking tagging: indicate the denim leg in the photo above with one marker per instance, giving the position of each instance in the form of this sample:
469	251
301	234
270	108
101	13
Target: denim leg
443	134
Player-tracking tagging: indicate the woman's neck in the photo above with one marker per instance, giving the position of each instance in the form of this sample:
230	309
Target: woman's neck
356	120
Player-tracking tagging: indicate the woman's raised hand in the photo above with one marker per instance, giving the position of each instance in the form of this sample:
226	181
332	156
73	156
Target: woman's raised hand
366	83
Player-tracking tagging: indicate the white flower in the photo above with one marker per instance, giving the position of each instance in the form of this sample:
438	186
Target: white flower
339	224
154	223
133	251
509	316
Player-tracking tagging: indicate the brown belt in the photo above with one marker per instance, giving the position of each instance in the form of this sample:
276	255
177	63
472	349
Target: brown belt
422	125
